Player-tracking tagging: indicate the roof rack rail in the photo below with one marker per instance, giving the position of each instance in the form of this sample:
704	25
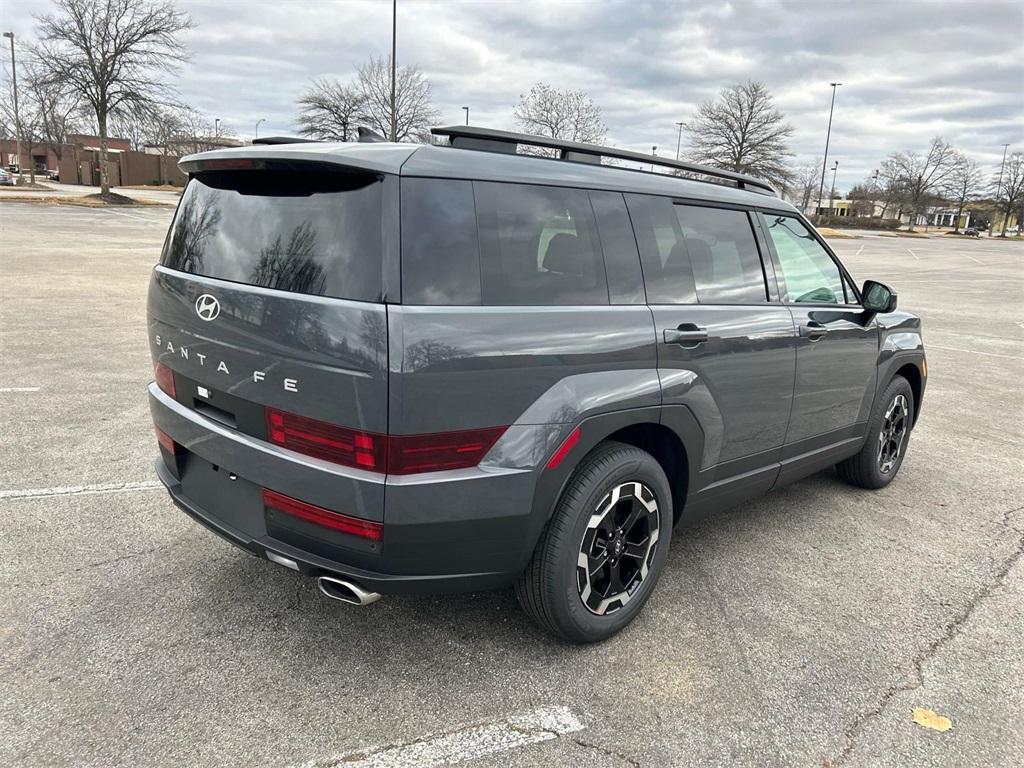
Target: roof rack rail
491	140
283	140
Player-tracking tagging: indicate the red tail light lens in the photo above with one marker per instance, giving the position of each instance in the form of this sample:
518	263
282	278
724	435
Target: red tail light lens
321	440
394	454
164	378
355	526
166	441
442	450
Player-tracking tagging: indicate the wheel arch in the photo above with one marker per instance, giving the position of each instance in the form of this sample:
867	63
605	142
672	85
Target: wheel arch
912	373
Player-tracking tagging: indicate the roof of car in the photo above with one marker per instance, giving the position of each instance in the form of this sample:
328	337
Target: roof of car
458	163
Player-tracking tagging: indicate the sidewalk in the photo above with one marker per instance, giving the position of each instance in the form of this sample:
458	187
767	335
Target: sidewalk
72	191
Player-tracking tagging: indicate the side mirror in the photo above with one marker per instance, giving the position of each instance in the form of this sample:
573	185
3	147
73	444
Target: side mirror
878	297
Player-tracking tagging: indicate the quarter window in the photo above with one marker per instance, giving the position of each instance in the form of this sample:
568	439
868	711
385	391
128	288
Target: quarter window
723	253
810	274
659	236
538	246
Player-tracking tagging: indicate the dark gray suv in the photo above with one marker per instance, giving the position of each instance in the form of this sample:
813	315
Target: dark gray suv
409	369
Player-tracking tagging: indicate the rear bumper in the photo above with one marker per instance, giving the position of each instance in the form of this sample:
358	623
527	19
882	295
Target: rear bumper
445	532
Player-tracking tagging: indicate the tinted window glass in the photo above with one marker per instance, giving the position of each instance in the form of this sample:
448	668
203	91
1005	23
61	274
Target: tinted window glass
723	254
659	236
317	233
538	245
440	255
810	275
625	281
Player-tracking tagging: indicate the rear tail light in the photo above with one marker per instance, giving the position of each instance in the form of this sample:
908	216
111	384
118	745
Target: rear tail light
166	441
164	378
321	440
354	526
394	454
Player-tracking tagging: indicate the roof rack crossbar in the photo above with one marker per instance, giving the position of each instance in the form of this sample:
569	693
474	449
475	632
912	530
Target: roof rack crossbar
489	139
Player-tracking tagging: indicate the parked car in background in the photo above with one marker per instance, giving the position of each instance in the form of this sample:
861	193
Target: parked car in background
6	179
972	232
404	368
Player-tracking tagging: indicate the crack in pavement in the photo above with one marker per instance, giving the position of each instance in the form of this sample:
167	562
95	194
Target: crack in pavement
916	678
610	752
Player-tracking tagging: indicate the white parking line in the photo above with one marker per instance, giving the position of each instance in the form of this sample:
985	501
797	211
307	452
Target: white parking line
974	352
911	252
469	743
72	490
976	261
859	250
19	389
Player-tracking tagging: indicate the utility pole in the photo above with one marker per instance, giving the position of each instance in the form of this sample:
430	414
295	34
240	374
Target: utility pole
679	139
261	120
467	115
828	135
17	116
394	33
999	184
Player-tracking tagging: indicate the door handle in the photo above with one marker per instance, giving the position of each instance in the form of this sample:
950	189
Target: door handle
813	331
686	335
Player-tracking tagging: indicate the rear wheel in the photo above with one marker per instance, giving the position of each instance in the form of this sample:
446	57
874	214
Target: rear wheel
603	549
888	435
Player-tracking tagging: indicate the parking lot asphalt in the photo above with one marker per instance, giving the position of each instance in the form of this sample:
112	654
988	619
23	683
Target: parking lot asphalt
800	629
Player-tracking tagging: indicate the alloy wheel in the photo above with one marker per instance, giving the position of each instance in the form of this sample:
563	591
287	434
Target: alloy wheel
893	433
618	547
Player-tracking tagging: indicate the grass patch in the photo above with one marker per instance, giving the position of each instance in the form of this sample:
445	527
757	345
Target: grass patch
835	234
88	201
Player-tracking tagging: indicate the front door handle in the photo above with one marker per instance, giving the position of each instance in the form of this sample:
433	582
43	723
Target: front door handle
812	331
686	335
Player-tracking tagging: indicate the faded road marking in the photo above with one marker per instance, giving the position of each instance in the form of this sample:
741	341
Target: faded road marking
860	250
73	490
19	389
974	352
468	743
976	261
911	252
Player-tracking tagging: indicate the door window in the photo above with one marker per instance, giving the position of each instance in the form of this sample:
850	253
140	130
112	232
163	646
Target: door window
667	273
726	264
810	274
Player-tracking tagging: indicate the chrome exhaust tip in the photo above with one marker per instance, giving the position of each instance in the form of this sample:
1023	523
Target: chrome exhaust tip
346	591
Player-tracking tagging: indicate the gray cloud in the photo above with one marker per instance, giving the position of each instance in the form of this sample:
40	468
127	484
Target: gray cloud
910	70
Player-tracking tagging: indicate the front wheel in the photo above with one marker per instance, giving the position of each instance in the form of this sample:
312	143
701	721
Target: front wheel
888	435
603	549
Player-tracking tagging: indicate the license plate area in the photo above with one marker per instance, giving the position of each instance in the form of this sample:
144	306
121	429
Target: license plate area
224	495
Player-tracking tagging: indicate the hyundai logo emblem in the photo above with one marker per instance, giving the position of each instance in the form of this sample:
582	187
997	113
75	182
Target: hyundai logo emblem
207	307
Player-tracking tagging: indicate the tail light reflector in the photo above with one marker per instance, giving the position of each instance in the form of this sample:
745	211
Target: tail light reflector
564	448
394	454
164	378
166	441
354	526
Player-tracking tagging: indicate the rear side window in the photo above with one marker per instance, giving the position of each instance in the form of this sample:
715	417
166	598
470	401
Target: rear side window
723	253
440	254
308	232
538	246
659	236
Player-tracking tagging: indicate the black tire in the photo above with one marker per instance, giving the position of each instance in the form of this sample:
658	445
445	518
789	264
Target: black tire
867	469
550	588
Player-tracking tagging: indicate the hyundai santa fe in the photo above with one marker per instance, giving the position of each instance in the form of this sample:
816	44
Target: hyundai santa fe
413	369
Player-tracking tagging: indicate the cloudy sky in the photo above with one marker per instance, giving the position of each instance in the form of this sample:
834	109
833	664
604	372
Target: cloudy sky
909	70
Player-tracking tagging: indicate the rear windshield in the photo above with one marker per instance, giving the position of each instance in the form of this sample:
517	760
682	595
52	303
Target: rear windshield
307	232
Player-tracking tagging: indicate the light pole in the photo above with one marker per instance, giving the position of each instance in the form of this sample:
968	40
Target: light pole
654	151
832	191
467	115
17	117
828	135
394	33
216	128
999	184
874	191
261	120
679	139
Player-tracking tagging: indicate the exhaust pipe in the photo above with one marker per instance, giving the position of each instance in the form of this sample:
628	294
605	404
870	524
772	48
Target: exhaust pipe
346	591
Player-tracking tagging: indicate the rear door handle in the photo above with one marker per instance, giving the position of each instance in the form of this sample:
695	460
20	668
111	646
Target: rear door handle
813	331
686	335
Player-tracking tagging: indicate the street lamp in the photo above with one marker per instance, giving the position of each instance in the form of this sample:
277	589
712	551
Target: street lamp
261	120
467	115
679	139
999	184
394	43
832	191
216	128
17	117
828	135
654	151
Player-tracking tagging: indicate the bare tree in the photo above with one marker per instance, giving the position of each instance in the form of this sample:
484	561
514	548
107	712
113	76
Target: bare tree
921	177
331	110
805	182
742	131
570	115
1012	189
111	54
413	111
965	181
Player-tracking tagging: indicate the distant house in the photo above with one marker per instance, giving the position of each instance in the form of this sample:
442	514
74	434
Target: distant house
43	157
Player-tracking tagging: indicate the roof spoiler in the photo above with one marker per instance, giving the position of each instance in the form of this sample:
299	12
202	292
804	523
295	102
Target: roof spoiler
283	140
